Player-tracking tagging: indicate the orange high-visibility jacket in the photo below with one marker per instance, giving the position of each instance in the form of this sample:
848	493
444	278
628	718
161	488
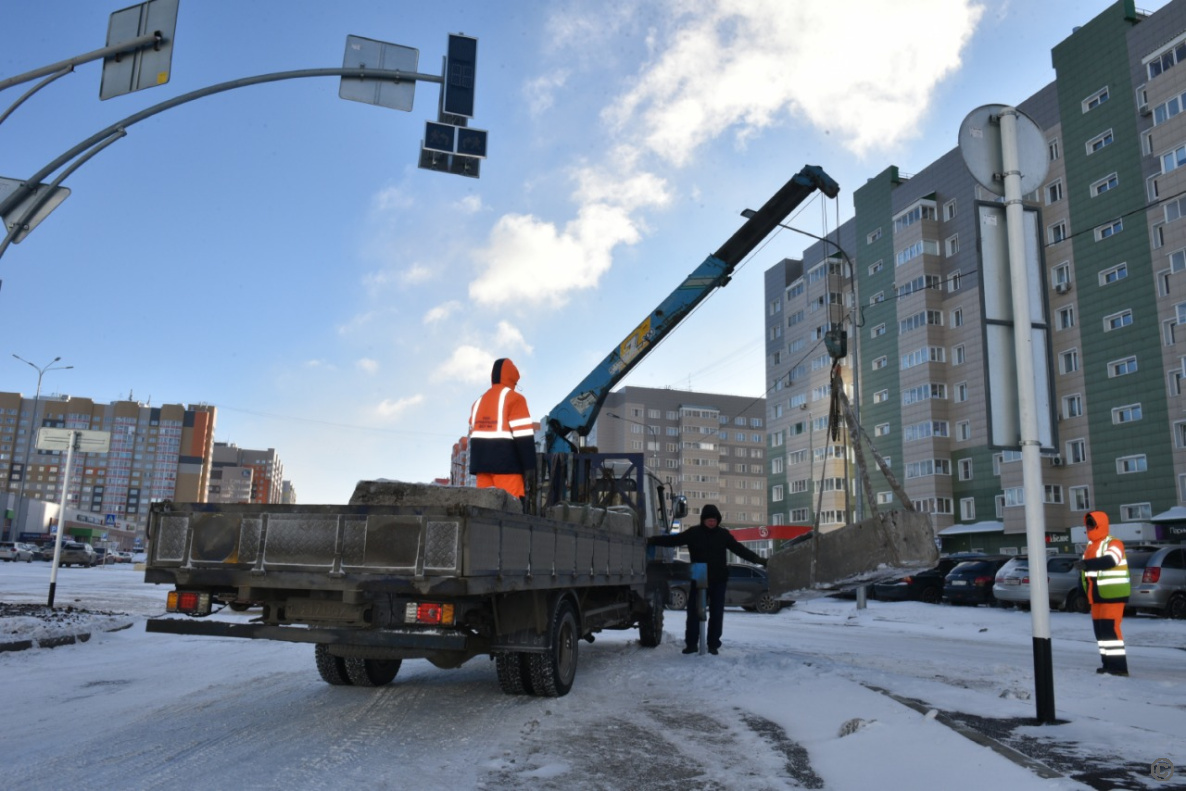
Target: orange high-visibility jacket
501	437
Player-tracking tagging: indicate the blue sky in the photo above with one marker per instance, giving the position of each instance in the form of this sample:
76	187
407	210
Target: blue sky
276	252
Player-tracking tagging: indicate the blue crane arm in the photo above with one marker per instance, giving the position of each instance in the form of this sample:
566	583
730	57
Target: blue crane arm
579	409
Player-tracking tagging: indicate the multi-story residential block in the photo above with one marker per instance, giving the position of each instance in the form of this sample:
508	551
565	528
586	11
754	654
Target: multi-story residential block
267	471
156	453
1110	216
711	448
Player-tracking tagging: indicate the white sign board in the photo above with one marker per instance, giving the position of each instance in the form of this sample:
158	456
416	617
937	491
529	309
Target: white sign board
60	439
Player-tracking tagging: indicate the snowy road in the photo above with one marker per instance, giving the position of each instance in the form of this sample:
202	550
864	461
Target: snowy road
788	704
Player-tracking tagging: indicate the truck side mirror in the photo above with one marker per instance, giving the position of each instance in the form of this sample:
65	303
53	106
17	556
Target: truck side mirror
679	507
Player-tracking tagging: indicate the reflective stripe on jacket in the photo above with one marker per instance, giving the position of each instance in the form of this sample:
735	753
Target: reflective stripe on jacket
1112	584
502	439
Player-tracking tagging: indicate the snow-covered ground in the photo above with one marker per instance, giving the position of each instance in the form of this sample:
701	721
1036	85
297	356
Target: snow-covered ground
822	695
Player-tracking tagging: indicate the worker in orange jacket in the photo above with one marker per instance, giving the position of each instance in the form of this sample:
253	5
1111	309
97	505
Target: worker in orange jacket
501	435
1104	574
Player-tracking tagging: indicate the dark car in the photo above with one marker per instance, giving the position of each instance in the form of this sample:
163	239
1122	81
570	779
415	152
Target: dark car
1159	581
926	586
749	589
971	581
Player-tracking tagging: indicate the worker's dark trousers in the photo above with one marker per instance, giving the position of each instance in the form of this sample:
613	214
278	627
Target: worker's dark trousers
1105	620
716	617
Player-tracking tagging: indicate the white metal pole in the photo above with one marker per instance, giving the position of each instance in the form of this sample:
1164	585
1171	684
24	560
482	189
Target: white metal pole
53	571
1027	403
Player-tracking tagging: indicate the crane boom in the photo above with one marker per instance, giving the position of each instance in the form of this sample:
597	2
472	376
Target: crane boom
578	410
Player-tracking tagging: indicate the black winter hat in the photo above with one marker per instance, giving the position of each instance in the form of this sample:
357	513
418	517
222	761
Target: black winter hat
710	511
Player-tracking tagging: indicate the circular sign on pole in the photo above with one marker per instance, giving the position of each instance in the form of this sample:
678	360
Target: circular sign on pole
980	146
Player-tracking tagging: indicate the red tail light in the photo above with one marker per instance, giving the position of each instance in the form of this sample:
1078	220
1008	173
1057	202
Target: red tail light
1151	575
982	581
1025	580
908	580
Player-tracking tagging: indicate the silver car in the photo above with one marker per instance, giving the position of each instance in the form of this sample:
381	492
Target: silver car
1012	584
15	551
1159	581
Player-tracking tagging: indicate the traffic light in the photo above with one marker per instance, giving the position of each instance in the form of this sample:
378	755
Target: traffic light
461	63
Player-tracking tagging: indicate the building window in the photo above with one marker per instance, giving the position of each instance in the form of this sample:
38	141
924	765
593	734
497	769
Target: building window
1117	320
963	431
1128	413
965	469
1173	55
1122	367
1130	464
1076	451
1057	232
1072	406
1068	361
1099	141
1061	274
885	498
961	392
1052	149
1054	192
876	267
877	331
953	281
881	396
1080	498
957	317
1096	99
967	509
1066	317
952	245
873	236
776	493
1113	274
880	363
1136	512
1103	185
949	210
957	355
1173	160
881	429
1109	229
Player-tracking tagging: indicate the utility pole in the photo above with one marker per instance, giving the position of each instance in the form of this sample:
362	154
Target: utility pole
22	512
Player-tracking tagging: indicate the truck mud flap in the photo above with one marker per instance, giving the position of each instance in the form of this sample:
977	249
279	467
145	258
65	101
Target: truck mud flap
385	638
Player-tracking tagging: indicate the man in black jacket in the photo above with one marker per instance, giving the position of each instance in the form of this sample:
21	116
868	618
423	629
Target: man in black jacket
708	543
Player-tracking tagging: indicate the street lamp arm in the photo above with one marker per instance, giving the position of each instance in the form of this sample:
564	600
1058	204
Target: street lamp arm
24	190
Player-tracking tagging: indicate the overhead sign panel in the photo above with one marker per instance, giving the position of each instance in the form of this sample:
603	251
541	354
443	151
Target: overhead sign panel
370	54
16	215
461	63
144	68
60	439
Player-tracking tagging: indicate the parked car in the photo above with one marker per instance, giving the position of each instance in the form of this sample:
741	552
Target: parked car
749	589
44	552
1159	581
103	556
1064	584
970	582
14	550
76	553
926	586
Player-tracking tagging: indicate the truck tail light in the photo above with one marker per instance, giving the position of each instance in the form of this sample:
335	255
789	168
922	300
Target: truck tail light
1152	574
188	602
430	613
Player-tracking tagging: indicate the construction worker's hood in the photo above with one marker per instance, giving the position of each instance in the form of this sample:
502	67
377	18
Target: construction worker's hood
504	373
1097	525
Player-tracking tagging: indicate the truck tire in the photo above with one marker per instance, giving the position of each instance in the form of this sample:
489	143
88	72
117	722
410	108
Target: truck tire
331	668
514	672
650	626
371	672
553	672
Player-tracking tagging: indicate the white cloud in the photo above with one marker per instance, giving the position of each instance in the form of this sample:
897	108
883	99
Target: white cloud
531	262
390	410
390	198
541	92
508	337
470	204
367	365
468	365
417	273
442	311
744	65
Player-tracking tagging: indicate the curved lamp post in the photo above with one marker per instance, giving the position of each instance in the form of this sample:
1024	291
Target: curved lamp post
21	510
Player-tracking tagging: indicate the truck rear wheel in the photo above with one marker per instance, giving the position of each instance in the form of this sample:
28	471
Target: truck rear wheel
331	668
650	626
553	672
514	672
371	672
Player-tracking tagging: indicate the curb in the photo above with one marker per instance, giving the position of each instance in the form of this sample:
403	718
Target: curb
54	642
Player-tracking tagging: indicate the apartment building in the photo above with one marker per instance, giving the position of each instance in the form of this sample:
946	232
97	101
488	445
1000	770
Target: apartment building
709	447
257	473
156	453
1112	250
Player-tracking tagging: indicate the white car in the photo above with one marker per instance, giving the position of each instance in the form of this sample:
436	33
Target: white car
14	551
